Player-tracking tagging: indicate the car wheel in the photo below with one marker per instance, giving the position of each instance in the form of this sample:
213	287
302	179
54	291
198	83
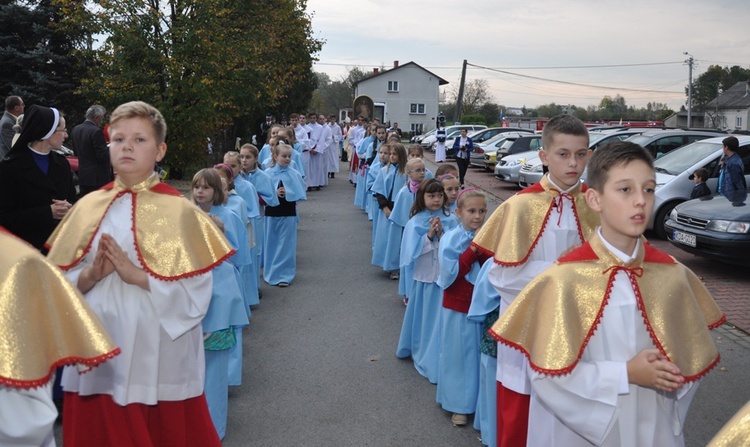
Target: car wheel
661	218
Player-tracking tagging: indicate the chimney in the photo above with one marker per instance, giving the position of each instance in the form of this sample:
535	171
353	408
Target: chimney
375	70
395	64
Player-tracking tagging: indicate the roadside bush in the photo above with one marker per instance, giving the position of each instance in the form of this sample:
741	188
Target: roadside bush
473	119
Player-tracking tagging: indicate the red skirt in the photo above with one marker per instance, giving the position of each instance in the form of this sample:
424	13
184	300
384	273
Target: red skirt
512	417
97	420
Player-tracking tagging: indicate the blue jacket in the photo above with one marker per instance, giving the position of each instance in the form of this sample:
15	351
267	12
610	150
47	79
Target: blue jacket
732	176
469	145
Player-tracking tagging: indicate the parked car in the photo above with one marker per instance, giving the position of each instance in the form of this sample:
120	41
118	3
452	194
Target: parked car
524	143
712	227
599	139
491	146
418	138
429	140
479	136
674	175
73	160
661	142
508	167
531	172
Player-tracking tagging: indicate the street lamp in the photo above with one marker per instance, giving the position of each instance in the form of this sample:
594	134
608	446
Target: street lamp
716	120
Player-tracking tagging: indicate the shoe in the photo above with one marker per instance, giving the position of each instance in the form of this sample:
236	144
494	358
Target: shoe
395	274
317	188
283	284
462	186
260	294
406	301
459	420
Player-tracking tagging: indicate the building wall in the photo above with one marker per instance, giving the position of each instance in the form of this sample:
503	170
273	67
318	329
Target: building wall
415	86
732	116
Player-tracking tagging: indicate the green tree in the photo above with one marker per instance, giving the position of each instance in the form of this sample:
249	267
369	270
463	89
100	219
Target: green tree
213	67
41	58
476	94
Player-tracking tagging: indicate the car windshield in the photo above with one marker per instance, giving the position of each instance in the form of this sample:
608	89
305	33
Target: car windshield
505	144
454	134
682	159
641	140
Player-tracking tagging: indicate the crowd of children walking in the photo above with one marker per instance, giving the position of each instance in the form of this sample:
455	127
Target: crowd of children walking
554	323
549	322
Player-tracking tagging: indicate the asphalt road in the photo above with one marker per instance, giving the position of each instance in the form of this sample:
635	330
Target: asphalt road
320	366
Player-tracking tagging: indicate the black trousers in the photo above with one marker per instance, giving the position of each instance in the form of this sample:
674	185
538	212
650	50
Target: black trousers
463	165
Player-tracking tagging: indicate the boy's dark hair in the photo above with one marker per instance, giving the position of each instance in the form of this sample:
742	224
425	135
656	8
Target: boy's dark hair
612	155
428	186
565	124
732	143
701	173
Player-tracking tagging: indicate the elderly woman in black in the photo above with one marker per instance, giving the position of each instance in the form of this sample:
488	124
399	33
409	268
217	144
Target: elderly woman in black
36	183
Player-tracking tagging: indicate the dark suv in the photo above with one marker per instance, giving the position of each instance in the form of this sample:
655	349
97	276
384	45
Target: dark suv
660	142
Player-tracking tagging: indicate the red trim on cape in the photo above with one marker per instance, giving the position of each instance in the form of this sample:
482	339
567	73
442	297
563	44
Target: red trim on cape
582	253
484	251
91	361
91	241
156	275
657	256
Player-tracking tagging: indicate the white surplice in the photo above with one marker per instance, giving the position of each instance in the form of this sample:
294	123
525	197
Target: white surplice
159	332
27	416
595	405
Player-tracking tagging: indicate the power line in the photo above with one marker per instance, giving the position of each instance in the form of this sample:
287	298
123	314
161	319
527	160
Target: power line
571	83
571	67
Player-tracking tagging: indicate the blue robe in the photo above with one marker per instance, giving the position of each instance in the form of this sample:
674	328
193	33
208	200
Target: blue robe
238	205
360	190
399	218
236	233
420	331
262	182
372	173
485	304
247	191
458	370
385	254
280	255
378	216
226	311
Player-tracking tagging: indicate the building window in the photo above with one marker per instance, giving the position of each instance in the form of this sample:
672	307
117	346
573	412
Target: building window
393	86
417	109
738	122
416	128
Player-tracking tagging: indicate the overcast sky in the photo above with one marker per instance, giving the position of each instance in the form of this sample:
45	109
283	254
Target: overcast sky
521	36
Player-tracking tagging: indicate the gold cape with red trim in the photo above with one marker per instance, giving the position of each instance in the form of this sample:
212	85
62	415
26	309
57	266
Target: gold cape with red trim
44	320
736	432
553	318
512	231
174	238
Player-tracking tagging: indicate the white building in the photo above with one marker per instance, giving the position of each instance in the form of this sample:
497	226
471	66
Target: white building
731	109
405	94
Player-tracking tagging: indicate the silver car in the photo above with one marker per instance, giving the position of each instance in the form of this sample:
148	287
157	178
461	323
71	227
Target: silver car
674	175
531	172
508	167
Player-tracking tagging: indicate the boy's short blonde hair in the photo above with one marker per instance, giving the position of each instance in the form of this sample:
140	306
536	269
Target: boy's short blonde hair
563	124
140	109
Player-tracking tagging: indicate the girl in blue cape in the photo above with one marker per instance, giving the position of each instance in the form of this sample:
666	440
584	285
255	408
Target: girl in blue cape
266	196
385	255
209	194
225	315
366	142
373	170
378	186
237	204
399	217
265	151
420	331
280	253
296	164
458	370
452	188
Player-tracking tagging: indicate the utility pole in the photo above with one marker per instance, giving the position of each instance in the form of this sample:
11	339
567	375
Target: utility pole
460	99
689	61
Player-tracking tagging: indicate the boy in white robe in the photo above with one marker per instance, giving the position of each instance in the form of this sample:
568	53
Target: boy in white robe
525	235
142	256
616	332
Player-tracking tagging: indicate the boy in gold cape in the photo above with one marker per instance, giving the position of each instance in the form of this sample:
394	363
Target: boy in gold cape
616	332
44	323
525	235
142	255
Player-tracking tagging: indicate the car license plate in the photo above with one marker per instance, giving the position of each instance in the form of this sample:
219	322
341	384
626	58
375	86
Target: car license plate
521	179
684	238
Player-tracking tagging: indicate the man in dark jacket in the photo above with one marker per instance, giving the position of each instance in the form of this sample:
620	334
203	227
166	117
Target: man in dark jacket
14	107
94	168
732	183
